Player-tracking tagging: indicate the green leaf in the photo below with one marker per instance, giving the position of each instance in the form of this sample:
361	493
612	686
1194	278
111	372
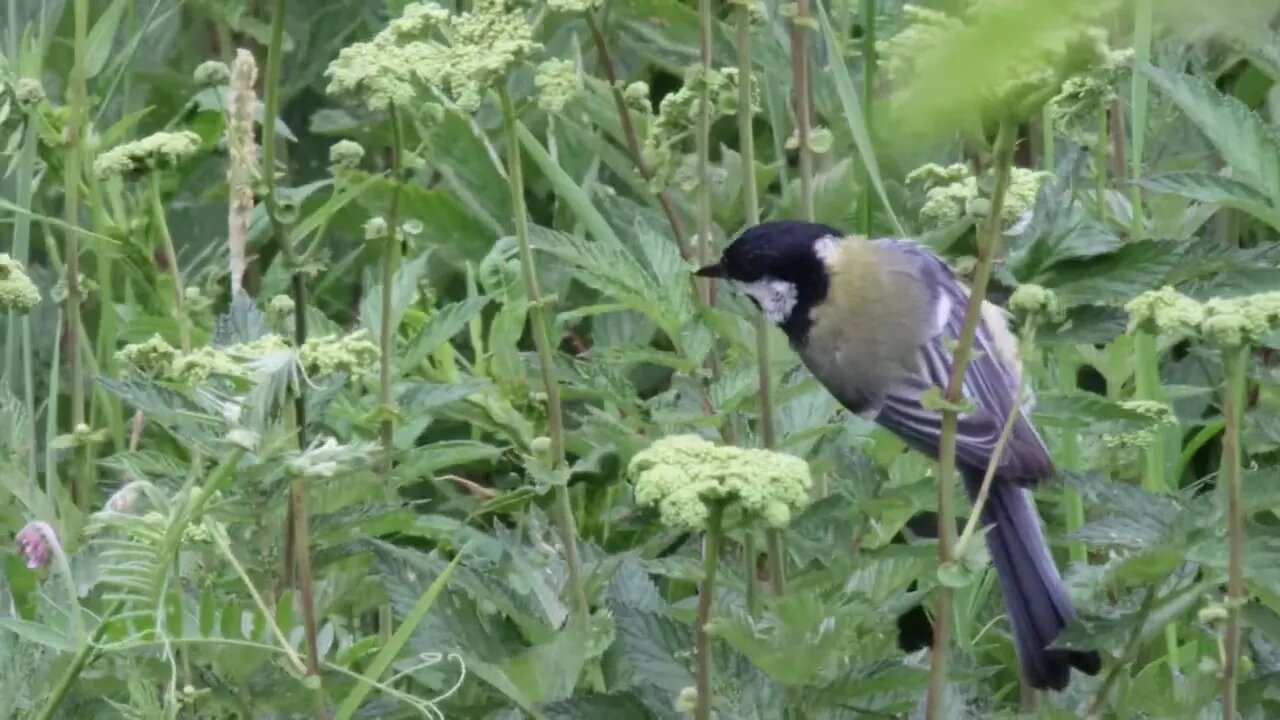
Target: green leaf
404	286
391	649
101	37
623	705
646	650
1217	190
854	117
40	633
441	327
567	188
1245	141
448	454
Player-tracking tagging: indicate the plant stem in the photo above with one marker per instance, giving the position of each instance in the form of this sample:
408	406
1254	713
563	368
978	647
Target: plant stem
1047	151
1069	456
390	263
702	640
297	522
77	99
546	361
751	216
988	249
1130	649
1154	475
1235	363
78	663
632	138
179	291
1100	163
870	58
1142	13
802	100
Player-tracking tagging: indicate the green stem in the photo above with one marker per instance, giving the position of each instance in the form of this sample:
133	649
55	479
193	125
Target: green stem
18	334
632	138
77	100
750	555
218	480
1142	12
988	249
390	263
870	59
1154	480
1130	650
1235	362
751	216
802	100
1069	457
702	639
78	663
166	238
546	361
297	520
1100	163
1047	150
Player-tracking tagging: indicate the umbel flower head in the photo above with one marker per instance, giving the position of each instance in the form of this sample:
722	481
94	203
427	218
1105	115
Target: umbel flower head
952	192
1232	321
17	292
683	476
161	151
483	46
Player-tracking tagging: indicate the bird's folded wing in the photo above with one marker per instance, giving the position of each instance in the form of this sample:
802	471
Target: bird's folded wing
990	384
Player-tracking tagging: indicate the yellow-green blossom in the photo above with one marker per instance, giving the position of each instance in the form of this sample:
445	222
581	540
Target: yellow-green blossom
212	72
1031	300
679	111
1074	109
345	154
570	6
953	192
1240	320
1165	311
17	293
152	357
683	475
636	95
352	354
483	46
280	306
161	151
375	228
558	82
28	92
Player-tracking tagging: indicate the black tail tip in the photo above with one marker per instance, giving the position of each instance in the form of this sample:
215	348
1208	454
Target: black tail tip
1054	672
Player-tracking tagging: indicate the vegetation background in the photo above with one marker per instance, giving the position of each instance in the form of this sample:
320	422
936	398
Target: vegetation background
331	330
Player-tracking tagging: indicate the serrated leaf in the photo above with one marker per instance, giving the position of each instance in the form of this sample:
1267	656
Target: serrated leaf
1245	141
1217	190
624	705
404	286
441	327
40	634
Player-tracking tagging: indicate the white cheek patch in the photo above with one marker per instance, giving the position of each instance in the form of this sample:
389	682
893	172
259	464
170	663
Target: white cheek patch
826	249
777	298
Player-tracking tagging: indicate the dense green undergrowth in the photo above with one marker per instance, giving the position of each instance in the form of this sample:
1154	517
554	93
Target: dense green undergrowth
335	334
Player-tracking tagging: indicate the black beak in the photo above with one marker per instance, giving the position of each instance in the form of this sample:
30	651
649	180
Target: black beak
710	271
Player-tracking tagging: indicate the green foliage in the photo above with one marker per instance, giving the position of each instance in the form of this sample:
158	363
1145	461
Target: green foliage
437	582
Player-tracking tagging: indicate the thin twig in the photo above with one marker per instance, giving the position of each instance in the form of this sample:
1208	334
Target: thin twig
632	138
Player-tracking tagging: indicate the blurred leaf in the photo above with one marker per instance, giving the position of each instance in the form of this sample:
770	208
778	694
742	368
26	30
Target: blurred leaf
1249	145
1217	190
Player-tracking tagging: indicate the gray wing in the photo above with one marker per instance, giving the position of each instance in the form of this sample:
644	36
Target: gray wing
990	385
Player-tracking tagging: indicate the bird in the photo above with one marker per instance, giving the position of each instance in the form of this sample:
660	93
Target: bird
875	321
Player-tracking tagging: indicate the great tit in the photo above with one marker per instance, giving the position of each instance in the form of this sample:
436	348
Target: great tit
875	321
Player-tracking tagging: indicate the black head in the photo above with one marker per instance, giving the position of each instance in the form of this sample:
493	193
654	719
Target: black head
779	265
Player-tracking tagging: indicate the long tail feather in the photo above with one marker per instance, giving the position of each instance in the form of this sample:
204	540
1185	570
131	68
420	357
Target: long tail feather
1034	596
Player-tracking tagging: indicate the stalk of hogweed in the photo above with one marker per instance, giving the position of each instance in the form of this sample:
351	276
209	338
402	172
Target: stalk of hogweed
297	522
693	484
988	248
77	110
18	334
802	101
745	17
